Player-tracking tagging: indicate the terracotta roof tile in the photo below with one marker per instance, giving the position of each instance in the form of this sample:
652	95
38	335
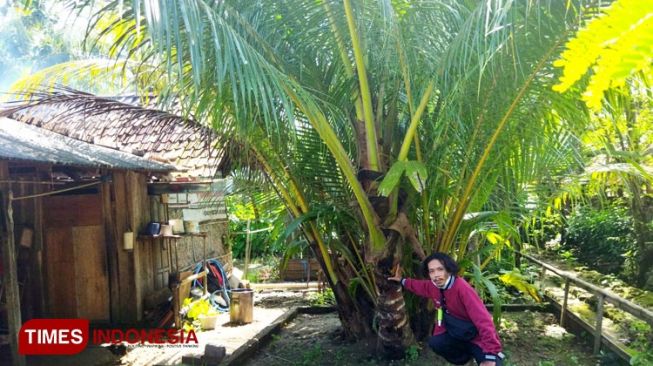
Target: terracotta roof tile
179	141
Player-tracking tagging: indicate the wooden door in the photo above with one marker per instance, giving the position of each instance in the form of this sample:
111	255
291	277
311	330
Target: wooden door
75	258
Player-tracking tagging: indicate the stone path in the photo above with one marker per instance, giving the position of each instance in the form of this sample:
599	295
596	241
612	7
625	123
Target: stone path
269	306
225	334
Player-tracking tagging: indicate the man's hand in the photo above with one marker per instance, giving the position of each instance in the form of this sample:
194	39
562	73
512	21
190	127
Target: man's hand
397	277
487	363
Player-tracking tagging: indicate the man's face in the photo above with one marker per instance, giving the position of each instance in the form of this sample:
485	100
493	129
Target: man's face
437	272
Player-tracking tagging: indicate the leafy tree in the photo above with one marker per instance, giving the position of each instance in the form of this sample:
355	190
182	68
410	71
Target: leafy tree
255	207
28	42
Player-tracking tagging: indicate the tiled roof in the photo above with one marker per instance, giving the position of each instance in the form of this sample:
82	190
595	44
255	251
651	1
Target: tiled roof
153	134
19	141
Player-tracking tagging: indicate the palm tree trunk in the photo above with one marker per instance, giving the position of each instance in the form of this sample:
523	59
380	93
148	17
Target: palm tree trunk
394	331
355	311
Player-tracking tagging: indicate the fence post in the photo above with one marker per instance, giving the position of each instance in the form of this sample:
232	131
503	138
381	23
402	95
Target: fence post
563	312
599	323
542	274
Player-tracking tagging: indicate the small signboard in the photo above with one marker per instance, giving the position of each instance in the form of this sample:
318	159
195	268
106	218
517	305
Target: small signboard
205	214
198	201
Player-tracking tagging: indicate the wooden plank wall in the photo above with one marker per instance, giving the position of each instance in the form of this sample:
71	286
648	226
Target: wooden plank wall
135	275
91	273
124	260
28	215
9	275
108	215
131	274
126	201
61	300
143	254
76	263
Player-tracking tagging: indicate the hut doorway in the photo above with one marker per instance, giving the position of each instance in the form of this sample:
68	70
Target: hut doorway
75	257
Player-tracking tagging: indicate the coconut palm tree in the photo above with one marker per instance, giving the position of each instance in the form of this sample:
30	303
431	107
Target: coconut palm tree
390	128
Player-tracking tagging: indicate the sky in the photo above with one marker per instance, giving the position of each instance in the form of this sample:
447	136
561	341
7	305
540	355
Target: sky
23	48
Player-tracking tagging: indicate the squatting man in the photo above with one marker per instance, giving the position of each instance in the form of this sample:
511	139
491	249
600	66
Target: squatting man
464	328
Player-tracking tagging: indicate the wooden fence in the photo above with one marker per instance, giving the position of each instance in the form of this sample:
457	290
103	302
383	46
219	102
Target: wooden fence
602	296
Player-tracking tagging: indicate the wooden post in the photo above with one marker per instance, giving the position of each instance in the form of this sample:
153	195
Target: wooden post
167	243
247	250
176	258
563	312
10	279
205	266
175	306
37	249
112	244
542	274
599	323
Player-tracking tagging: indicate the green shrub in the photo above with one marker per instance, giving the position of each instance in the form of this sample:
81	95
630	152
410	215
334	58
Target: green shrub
601	238
324	298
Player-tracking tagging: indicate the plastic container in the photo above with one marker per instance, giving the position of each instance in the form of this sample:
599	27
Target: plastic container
166	230
208	321
153	228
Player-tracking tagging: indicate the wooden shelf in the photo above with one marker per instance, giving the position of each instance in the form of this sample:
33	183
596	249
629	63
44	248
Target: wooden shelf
201	233
146	236
175	236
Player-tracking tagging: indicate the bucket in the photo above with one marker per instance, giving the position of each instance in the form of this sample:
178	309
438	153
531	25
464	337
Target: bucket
241	309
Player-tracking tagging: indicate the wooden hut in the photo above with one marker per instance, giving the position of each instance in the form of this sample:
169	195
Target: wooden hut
66	206
73	258
193	192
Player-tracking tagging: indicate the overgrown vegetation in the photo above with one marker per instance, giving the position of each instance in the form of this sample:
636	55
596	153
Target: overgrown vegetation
602	238
258	219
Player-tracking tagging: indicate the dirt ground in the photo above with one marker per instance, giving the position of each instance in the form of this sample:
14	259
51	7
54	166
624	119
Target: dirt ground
530	338
268	306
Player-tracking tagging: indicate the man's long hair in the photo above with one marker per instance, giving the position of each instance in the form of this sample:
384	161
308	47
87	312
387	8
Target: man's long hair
449	263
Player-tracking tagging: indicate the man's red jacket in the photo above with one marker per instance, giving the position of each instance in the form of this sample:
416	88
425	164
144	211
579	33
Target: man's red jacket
463	302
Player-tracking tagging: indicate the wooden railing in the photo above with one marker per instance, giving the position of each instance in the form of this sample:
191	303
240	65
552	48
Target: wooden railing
601	294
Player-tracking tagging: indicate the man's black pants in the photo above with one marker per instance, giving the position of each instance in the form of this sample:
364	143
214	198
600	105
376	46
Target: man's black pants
456	351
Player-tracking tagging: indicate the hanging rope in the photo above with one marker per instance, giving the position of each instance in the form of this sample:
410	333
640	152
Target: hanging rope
57	191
